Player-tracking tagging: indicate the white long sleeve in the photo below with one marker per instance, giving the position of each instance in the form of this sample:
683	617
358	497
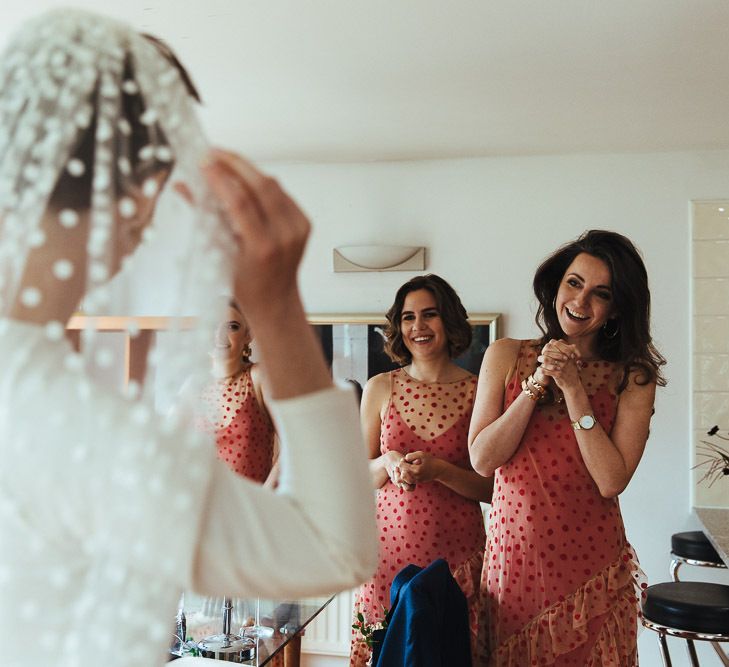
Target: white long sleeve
106	514
316	533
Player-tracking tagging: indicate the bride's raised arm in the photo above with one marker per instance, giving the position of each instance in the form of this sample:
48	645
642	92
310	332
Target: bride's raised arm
316	533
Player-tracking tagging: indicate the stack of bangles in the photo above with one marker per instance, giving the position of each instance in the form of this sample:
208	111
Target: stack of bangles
533	389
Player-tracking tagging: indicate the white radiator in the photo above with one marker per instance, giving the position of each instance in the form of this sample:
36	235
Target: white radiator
329	633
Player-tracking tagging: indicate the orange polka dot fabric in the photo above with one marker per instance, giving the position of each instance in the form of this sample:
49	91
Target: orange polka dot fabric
431	521
243	431
560	583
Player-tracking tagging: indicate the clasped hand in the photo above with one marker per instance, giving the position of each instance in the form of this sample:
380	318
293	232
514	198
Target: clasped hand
560	362
414	468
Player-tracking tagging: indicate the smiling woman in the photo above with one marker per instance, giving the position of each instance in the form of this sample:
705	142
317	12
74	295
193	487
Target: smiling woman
234	408
415	421
562	423
584	300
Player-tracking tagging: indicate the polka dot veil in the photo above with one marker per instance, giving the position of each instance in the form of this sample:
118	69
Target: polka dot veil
97	127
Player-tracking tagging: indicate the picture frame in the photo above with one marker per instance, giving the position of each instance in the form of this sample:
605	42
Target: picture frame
353	343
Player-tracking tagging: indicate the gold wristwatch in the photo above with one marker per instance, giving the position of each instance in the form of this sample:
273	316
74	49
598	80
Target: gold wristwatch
584	423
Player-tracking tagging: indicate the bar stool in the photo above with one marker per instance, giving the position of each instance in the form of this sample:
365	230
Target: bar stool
692	548
694	611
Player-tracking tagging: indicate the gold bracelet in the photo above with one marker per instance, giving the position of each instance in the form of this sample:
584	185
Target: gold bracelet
528	391
536	387
540	387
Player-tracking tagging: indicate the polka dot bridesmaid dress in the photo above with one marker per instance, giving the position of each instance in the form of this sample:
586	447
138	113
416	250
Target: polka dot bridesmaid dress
560	583
431	521
243	431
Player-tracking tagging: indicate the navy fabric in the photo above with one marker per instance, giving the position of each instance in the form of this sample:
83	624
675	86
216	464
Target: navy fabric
427	621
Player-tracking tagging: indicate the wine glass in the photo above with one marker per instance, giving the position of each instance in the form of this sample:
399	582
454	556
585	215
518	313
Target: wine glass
257	630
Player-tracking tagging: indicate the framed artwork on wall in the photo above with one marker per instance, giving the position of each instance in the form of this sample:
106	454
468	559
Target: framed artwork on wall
353	344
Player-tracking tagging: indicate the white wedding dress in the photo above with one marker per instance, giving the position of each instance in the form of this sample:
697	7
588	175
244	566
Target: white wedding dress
106	515
108	511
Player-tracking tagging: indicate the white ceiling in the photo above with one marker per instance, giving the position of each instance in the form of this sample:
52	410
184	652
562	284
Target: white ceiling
354	80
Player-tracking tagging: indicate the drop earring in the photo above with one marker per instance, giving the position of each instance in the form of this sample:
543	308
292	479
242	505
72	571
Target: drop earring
612	332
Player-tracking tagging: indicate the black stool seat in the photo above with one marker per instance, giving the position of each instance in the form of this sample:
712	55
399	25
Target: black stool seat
694	545
689	605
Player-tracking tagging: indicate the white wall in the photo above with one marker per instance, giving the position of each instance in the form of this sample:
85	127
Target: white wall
487	223
710	295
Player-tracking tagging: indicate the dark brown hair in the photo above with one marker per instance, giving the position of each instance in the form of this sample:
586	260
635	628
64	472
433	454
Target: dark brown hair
75	192
357	388
454	316
172	58
631	344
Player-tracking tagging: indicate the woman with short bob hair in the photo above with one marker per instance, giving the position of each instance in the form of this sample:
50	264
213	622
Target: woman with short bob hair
415	421
562	422
455	318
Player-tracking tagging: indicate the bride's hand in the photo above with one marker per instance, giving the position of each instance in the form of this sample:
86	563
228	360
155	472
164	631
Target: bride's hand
270	229
270	233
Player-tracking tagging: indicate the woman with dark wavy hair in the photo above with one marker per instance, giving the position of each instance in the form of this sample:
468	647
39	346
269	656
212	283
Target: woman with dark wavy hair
562	422
415	421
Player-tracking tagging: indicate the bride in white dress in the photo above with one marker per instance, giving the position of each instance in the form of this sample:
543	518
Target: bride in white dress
107	510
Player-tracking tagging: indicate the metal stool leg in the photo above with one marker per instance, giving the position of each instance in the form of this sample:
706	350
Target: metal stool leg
675	564
720	652
664	650
693	658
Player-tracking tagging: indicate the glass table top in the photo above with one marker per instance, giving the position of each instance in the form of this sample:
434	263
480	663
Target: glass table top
280	620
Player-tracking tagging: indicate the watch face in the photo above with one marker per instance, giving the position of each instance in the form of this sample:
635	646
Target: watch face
586	422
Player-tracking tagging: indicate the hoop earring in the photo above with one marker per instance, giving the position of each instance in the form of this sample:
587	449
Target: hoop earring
246	354
611	333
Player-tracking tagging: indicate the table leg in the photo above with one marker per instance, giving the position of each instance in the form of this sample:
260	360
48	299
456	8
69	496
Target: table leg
292	652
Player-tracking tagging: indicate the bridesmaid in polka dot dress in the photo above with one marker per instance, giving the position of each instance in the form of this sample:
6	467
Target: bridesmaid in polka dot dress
562	423
233	405
415	421
232	408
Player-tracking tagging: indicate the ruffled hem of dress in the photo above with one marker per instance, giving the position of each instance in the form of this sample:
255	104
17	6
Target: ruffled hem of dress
614	592
468	577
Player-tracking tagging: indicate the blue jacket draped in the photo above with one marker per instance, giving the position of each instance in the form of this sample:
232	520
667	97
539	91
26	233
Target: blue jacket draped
427	621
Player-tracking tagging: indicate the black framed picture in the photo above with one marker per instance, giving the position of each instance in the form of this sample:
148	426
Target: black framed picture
353	344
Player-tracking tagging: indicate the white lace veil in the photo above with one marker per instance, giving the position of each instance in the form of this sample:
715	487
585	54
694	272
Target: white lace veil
95	121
